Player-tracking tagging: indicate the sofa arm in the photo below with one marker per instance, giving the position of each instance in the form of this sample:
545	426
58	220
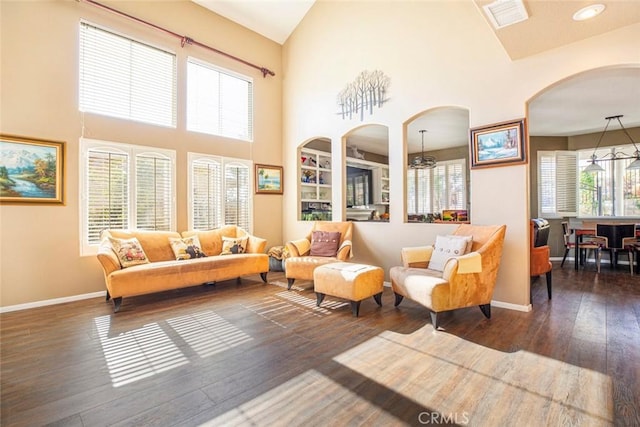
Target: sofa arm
256	245
344	251
108	258
298	247
416	256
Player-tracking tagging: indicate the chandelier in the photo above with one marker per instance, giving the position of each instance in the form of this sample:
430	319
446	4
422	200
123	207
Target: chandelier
422	161
595	167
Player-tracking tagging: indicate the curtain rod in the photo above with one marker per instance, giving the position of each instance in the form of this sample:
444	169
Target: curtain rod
183	39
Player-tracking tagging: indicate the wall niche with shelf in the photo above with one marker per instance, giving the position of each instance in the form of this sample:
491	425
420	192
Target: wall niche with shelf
315	180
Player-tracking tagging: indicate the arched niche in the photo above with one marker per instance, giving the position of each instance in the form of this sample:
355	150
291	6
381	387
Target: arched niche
366	172
315	180
438	192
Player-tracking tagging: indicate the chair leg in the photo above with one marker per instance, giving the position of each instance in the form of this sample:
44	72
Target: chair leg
398	300
378	298
355	308
598	255
566	252
549	283
319	298
434	319
290	283
486	310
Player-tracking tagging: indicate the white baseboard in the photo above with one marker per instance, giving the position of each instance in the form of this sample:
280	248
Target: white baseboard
51	302
509	306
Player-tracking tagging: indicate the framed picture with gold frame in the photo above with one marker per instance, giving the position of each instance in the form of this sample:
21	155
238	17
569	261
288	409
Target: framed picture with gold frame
31	170
500	144
268	179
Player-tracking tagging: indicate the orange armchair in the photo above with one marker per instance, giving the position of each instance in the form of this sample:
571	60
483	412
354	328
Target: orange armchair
300	264
464	281
539	262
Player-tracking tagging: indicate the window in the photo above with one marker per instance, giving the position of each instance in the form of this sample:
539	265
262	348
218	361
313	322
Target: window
219	192
563	190
437	189
614	192
557	180
124	186
120	77
219	102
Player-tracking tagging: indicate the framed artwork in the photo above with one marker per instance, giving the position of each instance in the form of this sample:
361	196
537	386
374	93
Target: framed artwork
268	179
500	144
31	170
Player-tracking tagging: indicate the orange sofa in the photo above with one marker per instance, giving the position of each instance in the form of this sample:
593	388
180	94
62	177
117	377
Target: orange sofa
163	272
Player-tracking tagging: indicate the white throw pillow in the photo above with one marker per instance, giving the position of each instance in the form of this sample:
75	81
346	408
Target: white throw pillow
446	247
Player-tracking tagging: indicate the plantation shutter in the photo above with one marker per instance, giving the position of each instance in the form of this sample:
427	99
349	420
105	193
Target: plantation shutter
206	202
154	196
219	102
411	191
123	78
557	183
236	203
456	185
438	188
566	183
423	191
108	193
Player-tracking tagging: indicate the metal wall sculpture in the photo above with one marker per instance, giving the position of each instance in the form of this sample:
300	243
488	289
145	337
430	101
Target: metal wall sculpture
368	90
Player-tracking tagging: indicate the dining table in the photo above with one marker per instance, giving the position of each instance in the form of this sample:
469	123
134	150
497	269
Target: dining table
588	228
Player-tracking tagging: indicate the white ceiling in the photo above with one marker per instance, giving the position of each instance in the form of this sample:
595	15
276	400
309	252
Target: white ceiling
574	106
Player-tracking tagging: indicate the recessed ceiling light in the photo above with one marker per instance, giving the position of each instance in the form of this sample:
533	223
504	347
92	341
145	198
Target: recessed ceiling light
588	12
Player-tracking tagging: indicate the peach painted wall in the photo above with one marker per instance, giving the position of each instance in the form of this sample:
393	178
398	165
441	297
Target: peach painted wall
436	53
39	249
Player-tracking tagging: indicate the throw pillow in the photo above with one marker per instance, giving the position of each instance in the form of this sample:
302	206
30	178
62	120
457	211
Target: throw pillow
468	239
128	251
325	243
186	248
234	245
445	248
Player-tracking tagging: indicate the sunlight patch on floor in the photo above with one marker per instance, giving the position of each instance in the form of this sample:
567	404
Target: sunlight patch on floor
310	389
137	354
444	372
207	333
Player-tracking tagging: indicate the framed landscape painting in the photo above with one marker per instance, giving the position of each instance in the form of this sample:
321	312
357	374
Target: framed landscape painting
31	170
268	179
500	144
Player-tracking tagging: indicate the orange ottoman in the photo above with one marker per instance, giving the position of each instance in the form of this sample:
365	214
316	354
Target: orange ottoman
347	280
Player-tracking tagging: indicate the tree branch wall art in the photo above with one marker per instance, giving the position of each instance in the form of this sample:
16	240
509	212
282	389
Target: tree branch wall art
368	90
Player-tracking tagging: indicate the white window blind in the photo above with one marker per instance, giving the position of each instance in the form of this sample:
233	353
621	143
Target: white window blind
237	200
219	192
557	183
121	77
154	190
219	102
206	194
107	193
124	186
437	189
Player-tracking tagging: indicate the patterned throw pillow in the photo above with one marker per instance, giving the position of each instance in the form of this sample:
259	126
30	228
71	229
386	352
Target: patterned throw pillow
128	251
186	248
234	245
325	243
446	247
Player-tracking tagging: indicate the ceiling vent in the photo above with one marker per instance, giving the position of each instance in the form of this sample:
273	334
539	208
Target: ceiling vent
503	13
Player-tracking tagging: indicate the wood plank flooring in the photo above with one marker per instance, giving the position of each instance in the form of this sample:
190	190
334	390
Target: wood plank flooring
256	354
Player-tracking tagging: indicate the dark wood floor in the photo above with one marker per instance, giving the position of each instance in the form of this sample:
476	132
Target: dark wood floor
257	354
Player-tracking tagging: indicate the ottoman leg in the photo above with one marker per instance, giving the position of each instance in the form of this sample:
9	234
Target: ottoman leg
290	283
355	308
398	299
378	298
319	298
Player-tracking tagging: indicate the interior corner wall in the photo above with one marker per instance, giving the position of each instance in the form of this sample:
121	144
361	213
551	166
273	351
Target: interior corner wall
40	245
436	54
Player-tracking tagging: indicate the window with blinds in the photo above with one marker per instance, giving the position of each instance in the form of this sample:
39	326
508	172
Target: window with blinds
437	189
557	181
219	102
219	192
124	78
124	186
